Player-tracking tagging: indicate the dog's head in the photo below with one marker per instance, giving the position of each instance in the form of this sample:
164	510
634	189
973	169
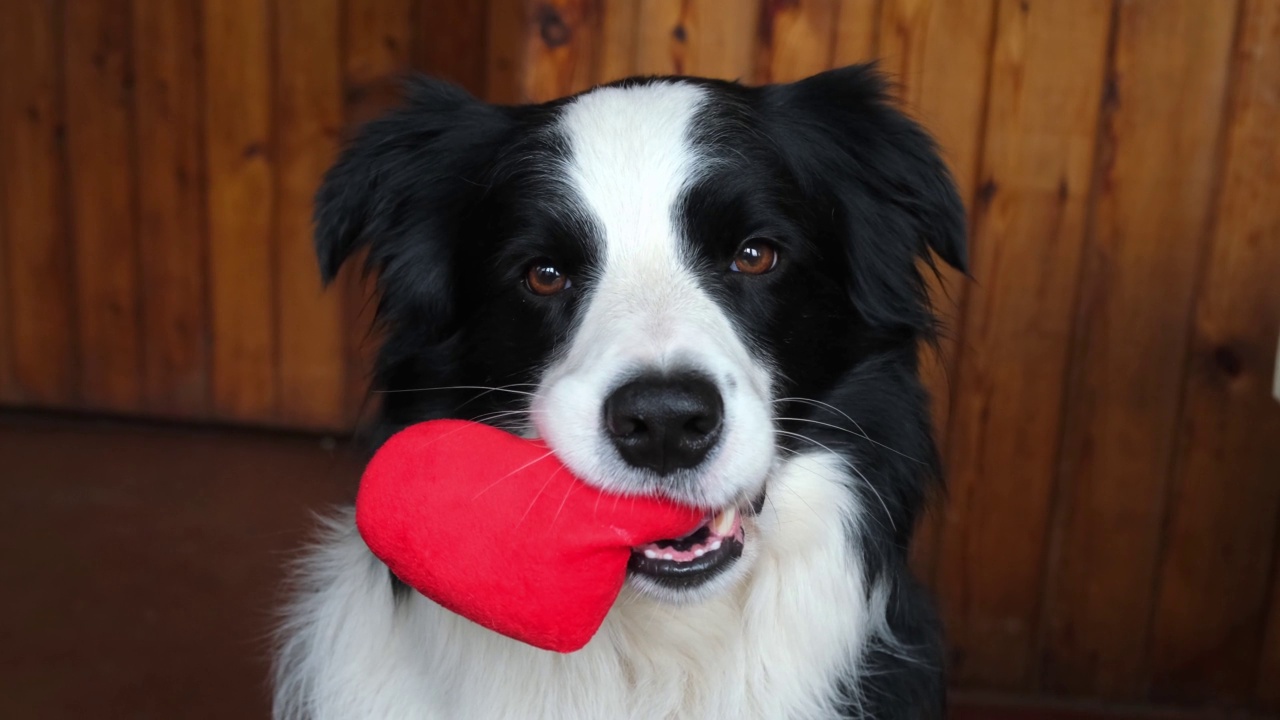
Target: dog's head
645	275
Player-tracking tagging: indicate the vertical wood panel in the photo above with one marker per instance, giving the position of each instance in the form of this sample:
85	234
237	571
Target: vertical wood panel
309	116
562	41
1046	78
171	219
939	55
1213	587
1161	131
619	38
35	269
8	382
99	87
797	39
451	42
1268	687
698	37
377	46
39	283
507	44
238	142
857	29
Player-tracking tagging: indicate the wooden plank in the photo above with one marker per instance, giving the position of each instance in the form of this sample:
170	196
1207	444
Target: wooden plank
797	39
507	44
237	138
171	218
562	41
376	54
103	202
9	392
378	47
1221	532
1046	85
8	382
309	116
938	54
1268	687
857	32
41	300
698	37
619	38
451	42
1161	130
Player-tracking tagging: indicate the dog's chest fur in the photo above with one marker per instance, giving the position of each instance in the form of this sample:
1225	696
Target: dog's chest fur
781	645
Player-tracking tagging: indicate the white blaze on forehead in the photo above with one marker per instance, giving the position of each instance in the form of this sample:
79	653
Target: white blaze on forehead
630	160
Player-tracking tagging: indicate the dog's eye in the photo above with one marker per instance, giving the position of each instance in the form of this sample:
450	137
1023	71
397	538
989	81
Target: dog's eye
756	257
544	278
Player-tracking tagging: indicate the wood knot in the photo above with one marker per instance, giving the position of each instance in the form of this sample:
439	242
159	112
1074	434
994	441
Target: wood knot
679	33
1228	361
987	192
555	32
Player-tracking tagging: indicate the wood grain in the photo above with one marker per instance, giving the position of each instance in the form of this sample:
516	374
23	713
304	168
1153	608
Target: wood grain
938	56
1214	578
238	133
309	117
378	39
619	38
1046	84
698	37
797	39
9	388
1162	125
507	44
99	99
452	42
377	50
857	32
561	44
173	247
39	295
1268	688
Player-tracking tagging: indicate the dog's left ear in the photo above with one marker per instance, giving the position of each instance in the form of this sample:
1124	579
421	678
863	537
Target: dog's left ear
893	194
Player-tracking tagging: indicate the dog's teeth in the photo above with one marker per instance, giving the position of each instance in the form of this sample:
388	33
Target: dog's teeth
699	552
723	523
651	554
715	545
668	556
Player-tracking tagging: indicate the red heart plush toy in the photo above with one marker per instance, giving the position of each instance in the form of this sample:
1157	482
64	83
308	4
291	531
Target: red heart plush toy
496	529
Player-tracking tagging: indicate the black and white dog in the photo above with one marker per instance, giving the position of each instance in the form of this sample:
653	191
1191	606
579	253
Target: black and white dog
683	286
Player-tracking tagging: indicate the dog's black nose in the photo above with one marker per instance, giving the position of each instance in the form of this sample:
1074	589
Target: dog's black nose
664	423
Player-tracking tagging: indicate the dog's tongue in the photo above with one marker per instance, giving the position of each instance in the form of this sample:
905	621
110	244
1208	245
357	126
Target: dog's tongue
496	529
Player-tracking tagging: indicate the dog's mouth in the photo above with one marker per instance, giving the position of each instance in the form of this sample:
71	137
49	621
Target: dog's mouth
698	557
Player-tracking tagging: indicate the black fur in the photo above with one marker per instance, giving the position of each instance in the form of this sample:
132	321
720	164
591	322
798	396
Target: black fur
452	195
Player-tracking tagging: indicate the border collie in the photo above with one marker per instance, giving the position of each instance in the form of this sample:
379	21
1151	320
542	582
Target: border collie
687	287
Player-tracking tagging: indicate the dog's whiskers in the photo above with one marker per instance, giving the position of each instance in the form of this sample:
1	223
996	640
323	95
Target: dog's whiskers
888	515
861	433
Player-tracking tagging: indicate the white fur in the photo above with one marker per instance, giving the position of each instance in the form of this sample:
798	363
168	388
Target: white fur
630	159
769	648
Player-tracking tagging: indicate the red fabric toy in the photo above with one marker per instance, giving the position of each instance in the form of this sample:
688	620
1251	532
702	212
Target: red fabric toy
496	529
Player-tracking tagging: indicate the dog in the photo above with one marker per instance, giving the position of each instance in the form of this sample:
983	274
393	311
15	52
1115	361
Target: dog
685	287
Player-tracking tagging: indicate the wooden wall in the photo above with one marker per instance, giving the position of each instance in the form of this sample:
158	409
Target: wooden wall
1104	404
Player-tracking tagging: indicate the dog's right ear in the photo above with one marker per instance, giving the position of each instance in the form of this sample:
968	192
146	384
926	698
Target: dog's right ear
400	166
